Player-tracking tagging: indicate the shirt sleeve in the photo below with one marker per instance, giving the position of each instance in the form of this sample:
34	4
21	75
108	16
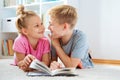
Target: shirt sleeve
19	46
80	47
46	46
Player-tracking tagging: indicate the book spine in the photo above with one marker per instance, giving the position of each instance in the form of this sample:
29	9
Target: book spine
10	45
5	48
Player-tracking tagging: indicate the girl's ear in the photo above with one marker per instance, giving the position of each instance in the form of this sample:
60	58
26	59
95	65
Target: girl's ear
24	31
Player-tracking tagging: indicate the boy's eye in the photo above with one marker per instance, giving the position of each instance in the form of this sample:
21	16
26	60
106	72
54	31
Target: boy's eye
50	24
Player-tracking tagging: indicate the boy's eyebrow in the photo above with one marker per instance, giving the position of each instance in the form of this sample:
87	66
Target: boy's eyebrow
49	22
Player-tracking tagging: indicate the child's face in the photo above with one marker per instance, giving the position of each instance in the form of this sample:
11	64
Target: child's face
57	30
35	28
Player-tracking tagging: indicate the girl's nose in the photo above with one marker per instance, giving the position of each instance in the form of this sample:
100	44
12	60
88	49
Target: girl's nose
49	27
43	28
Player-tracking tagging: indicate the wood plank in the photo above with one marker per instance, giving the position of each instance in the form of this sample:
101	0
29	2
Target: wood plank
105	61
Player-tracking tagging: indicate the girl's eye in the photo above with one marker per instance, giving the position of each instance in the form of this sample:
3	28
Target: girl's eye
36	25
41	23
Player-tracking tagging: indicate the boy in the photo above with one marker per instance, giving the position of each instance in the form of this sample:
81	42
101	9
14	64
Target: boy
68	44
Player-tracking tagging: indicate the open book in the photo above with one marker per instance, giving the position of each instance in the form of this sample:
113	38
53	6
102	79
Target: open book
42	70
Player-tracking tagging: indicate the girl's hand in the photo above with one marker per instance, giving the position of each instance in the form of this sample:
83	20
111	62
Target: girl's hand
28	59
55	65
24	64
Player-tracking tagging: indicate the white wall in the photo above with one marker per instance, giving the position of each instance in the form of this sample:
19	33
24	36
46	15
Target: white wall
110	26
99	19
1	3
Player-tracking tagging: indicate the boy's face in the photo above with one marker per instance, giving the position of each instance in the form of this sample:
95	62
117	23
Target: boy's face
35	28
57	30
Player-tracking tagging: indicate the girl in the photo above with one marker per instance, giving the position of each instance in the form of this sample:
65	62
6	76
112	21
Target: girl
30	43
68	44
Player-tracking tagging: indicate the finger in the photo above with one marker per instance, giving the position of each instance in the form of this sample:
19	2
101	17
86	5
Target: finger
56	63
25	63
25	69
32	57
53	67
29	58
61	65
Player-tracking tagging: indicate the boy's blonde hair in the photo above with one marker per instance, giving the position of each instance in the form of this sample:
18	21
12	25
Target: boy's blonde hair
64	14
22	17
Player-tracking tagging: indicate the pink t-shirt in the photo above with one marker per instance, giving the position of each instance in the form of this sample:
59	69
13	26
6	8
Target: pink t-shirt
22	45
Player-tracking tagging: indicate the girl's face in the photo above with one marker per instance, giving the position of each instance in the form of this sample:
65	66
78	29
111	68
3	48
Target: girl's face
35	28
57	30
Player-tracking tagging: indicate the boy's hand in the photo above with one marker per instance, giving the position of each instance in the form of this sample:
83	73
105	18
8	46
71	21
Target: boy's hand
54	41
55	65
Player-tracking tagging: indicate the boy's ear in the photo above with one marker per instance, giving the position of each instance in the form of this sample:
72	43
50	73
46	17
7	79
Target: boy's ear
66	25
24	31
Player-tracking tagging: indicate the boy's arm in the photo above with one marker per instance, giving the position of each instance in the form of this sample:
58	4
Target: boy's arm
67	61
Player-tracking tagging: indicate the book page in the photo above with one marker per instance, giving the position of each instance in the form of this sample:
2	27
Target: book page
36	64
64	71
37	73
41	68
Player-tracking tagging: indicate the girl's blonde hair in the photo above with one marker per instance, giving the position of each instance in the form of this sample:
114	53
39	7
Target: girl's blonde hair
64	14
22	17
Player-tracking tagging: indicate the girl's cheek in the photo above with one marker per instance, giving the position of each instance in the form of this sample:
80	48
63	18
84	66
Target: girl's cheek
36	30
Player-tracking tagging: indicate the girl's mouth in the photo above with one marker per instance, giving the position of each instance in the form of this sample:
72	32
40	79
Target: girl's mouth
41	32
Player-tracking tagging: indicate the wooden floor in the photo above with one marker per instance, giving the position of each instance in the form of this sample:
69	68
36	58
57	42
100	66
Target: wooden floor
104	61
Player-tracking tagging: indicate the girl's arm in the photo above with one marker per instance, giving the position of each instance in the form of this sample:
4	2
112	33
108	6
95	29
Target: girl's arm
23	61
46	59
